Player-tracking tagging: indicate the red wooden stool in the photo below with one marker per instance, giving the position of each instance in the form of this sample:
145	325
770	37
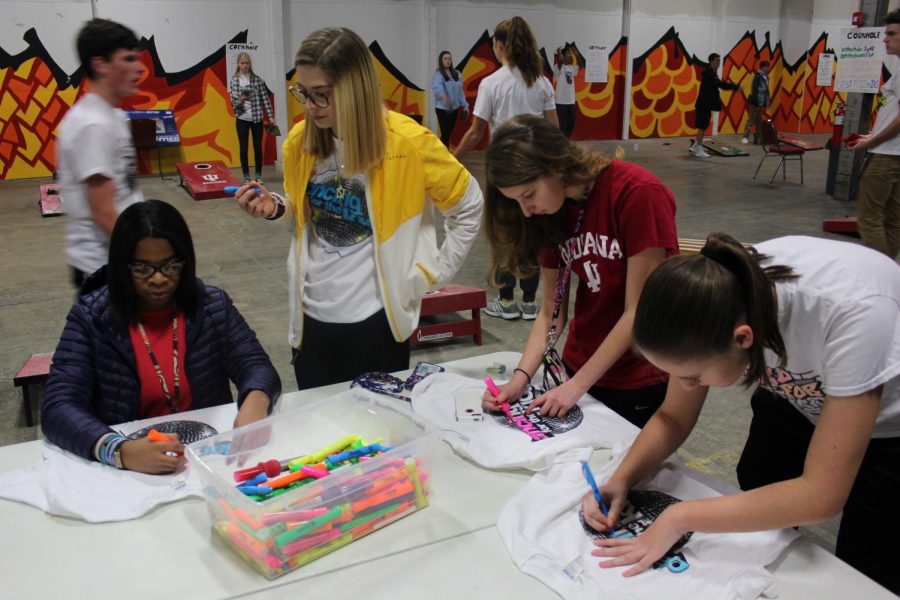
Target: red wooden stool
31	378
451	298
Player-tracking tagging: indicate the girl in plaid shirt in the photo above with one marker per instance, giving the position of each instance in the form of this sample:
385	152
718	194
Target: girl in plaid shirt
249	97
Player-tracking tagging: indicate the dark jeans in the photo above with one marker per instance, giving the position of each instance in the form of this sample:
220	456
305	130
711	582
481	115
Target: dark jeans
256	129
336	352
446	121
566	115
776	450
507	283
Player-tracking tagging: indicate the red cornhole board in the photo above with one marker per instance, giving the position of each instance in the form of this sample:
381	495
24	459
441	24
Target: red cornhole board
845	225
793	140
450	299
206	180
51	202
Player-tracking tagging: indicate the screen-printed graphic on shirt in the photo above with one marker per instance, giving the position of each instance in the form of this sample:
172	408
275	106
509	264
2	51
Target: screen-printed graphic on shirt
545	425
640	512
338	209
803	390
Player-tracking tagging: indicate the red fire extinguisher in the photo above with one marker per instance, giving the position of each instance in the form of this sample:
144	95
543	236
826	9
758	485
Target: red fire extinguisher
838	131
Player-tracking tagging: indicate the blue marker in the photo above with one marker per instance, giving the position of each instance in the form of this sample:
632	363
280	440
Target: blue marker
586	470
232	189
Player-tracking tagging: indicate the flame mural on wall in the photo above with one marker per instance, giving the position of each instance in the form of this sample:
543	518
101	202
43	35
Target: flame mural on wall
35	94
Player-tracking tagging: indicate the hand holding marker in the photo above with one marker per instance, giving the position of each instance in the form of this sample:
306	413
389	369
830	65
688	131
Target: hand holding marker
586	470
232	189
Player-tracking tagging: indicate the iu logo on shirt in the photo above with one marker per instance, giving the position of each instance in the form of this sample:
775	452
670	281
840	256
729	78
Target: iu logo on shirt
592	276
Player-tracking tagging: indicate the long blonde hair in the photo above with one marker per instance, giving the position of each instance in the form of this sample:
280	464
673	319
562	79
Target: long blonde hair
237	70
521	48
359	111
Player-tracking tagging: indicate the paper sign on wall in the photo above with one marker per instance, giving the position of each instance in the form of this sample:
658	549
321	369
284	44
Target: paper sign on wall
233	50
825	70
596	64
860	54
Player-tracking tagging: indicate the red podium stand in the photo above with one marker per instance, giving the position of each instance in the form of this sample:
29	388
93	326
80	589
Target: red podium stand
206	180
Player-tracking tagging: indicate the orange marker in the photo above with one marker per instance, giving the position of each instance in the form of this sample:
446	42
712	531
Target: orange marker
157	436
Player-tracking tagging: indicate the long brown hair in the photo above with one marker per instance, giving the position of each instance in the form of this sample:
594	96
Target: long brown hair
690	305
359	111
521	48
524	148
445	72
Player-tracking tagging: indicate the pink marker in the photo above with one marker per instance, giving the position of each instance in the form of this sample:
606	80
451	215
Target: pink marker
491	386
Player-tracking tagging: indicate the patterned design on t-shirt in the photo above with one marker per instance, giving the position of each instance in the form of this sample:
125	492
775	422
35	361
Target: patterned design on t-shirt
640	512
803	390
547	425
338	210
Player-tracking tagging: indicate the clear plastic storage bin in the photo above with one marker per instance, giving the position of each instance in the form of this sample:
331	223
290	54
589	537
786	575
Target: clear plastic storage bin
312	514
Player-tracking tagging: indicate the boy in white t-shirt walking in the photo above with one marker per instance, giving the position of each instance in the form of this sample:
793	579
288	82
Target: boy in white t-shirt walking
96	160
565	72
879	186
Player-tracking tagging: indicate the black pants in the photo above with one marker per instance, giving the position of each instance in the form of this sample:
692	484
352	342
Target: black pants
566	115
507	283
635	406
776	450
446	121
256	129
336	352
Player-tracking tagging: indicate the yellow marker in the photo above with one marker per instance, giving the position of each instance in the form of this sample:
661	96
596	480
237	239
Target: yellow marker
417	484
320	455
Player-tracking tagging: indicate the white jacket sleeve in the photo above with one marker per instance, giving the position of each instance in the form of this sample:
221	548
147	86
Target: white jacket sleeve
461	224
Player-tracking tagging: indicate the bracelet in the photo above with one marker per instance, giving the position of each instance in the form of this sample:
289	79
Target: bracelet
523	372
279	208
109	454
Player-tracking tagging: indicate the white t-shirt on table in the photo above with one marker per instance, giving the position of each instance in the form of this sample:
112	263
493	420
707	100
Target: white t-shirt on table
94	139
504	94
543	530
840	320
495	443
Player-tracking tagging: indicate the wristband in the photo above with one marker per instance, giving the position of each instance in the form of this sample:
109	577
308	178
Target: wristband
523	372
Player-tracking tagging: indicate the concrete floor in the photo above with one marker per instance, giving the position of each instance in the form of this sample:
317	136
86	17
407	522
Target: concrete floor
246	257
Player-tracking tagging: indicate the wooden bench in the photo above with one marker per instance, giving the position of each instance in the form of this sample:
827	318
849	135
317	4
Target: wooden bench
31	378
450	299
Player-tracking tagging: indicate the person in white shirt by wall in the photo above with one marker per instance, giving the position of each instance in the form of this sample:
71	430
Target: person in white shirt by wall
565	71
879	187
96	160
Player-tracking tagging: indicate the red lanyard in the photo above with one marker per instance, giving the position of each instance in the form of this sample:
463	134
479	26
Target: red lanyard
173	406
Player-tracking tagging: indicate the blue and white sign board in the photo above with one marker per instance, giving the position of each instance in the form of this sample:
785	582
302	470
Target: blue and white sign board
166	129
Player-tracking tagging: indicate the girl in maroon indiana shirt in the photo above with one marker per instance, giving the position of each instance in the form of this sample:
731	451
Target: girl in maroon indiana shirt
551	203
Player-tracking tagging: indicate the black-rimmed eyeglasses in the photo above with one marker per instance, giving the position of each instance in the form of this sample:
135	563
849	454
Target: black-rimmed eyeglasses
141	270
320	99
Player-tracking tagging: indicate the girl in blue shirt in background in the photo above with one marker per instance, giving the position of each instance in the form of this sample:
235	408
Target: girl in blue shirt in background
447	85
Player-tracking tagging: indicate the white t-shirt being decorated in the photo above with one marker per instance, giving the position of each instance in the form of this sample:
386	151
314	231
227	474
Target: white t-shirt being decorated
534	444
94	139
546	536
340	283
504	94
840	320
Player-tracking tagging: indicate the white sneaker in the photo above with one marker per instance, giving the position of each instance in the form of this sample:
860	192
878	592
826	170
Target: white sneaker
700	152
745	141
693	143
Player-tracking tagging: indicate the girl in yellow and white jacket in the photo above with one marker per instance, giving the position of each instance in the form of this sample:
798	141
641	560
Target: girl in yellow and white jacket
362	183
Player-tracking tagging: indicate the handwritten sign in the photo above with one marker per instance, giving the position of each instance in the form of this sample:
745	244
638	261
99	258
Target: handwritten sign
860	53
596	64
825	70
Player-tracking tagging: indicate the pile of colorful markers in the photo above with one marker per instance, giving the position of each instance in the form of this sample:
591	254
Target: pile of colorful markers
325	515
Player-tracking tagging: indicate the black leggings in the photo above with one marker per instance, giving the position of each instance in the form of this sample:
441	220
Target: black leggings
507	283
446	121
776	451
337	352
256	129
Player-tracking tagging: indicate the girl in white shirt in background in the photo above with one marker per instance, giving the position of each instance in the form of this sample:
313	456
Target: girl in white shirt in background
815	324
518	87
565	71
